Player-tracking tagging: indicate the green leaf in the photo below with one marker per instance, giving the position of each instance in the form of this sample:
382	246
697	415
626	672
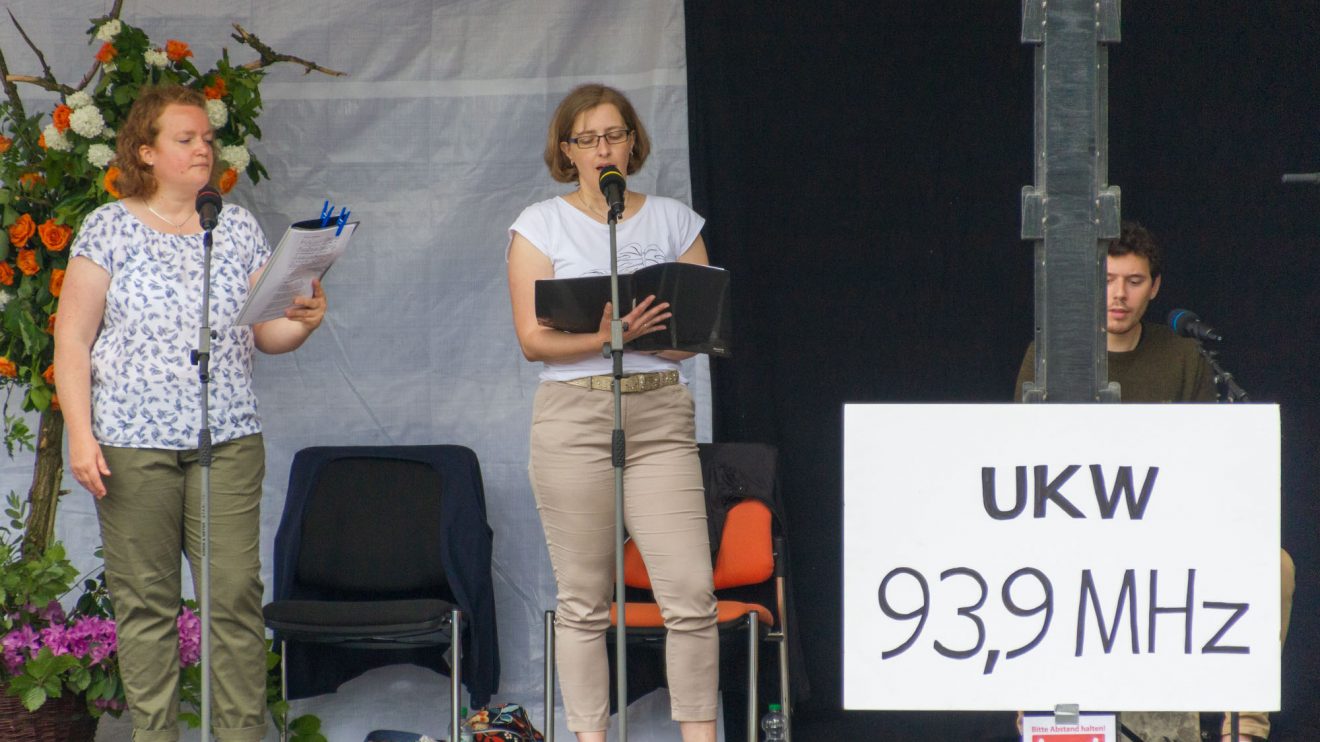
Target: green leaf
305	724
33	697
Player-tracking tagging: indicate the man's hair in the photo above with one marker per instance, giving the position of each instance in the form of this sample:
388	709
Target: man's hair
1135	239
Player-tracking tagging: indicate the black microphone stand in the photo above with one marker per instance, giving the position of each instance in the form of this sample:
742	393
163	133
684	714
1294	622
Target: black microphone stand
201	358
1233	392
614	350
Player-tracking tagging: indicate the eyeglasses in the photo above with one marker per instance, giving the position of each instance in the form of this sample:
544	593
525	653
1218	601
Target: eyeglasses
613	136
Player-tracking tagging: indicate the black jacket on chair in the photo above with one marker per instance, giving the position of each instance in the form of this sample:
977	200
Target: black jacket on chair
314	669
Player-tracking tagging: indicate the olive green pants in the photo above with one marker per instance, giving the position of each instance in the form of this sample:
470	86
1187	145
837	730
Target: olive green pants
150	515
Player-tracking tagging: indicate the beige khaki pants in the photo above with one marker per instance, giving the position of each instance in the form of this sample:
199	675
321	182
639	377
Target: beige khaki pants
665	512
150	514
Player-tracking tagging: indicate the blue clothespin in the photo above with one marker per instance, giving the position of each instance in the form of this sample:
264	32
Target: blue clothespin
343	219
327	211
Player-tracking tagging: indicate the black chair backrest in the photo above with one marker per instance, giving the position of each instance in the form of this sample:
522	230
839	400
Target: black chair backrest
371	529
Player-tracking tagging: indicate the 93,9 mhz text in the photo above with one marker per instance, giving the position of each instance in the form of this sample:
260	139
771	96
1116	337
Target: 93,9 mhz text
1099	613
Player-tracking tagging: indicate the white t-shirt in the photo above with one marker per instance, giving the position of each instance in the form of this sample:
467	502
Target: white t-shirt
145	390
577	245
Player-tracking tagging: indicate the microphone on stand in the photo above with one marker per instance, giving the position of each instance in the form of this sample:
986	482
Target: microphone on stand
1186	323
208	207
612	186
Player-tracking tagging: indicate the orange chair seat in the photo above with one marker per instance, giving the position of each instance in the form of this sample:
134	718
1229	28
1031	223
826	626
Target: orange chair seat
647	615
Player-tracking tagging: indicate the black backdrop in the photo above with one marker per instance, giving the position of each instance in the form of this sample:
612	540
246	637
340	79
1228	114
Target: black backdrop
860	166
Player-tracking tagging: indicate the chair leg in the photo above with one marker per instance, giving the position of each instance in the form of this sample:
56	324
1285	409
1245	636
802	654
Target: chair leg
284	690
784	688
455	670
753	671
549	724
781	612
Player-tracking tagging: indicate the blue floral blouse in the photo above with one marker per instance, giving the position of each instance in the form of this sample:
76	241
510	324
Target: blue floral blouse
145	390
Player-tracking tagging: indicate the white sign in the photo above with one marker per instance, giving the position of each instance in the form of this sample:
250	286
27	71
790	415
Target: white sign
1120	557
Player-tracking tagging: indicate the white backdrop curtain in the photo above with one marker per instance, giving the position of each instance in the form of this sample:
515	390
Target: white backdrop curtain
434	141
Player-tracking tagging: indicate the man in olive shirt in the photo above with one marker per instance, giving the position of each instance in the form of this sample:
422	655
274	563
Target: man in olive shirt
1152	364
1149	362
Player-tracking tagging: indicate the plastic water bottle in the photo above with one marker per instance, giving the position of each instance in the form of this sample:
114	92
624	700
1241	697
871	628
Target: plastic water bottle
774	723
464	728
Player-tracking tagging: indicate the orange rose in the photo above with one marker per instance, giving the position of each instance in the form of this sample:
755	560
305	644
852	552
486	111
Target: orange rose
50	324
216	91
111	174
56	282
107	53
49	374
56	236
55	402
27	262
22	230
228	180
177	51
5	143
7	368
41	140
61	117
6	273
29	180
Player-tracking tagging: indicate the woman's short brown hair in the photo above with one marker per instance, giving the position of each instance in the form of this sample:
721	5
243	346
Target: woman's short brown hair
579	100
141	127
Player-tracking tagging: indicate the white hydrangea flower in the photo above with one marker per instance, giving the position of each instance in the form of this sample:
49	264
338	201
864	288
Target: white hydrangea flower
78	100
100	155
55	139
109	30
87	121
236	156
108	67
216	113
5	298
155	58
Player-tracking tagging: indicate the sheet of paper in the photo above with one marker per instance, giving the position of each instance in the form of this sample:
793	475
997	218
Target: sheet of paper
303	254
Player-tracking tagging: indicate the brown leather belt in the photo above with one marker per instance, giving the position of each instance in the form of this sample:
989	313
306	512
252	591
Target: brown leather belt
628	384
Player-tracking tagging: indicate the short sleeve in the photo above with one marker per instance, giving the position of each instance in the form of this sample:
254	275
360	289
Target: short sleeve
687	225
249	237
534	226
95	238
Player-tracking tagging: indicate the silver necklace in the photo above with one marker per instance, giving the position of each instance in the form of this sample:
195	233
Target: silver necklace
178	226
603	215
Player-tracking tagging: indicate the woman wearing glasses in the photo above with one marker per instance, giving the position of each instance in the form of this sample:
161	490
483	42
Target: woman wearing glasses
571	470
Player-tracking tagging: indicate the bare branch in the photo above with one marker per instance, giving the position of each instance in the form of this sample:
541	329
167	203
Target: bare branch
49	75
113	14
11	90
269	56
42	82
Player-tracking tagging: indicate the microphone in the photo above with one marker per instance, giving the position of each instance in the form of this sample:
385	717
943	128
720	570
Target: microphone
612	186
208	207
1186	323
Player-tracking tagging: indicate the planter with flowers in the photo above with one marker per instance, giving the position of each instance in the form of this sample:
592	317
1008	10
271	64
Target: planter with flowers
57	166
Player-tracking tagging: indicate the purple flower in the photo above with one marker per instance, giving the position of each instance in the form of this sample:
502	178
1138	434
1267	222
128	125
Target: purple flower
57	638
190	637
93	637
22	638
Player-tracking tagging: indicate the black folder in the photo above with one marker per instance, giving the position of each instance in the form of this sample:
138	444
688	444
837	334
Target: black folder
698	297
